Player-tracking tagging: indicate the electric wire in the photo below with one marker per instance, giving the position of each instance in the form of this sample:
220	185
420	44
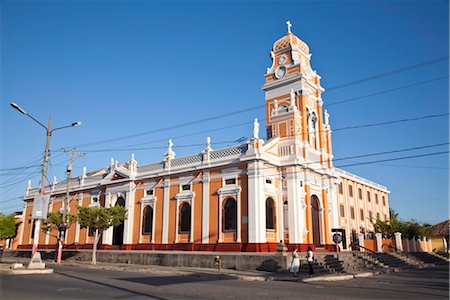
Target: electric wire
385	91
389	73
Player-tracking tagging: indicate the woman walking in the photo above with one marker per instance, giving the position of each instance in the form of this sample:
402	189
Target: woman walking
310	259
295	263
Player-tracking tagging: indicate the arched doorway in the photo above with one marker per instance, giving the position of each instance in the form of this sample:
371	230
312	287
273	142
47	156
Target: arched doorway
118	230
315	220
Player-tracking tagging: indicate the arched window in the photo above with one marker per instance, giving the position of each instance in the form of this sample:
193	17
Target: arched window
270	214
147	222
185	218
229	215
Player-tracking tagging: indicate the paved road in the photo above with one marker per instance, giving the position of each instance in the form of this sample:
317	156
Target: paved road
81	283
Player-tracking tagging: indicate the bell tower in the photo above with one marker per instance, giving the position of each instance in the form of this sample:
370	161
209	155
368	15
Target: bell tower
294	102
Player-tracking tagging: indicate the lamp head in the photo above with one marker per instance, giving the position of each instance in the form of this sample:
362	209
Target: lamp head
76	124
17	107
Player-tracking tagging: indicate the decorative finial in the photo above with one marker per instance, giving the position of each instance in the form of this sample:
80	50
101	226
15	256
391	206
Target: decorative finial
112	161
84	171
289	25
208	142
132	156
256	129
54	180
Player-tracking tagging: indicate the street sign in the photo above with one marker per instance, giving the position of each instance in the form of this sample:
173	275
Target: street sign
337	238
40	206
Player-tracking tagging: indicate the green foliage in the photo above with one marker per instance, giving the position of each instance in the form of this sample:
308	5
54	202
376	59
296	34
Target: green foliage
408	229
101	218
54	220
8	226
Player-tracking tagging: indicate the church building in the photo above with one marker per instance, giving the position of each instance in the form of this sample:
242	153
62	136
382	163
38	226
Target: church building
247	197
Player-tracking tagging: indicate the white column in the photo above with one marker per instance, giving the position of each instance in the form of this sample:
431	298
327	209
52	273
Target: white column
295	209
361	241
256	213
107	235
129	221
47	234
140	222
414	244
153	222
424	242
279	211
398	241
205	208
239	217
191	232
177	220
165	224
220	219
24	212
379	239
334	207
77	225
408	248
445	245
430	247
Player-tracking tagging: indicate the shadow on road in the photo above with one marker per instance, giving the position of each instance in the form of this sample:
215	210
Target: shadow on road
169	280
112	286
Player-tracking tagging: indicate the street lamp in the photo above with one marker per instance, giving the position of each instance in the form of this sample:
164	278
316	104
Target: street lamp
49	132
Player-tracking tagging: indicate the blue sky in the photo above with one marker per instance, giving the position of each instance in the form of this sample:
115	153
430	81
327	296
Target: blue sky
130	67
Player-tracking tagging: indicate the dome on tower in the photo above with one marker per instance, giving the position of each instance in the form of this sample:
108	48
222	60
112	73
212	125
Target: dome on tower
290	40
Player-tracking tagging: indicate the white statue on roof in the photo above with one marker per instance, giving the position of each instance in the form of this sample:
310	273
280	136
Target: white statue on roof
256	129
326	117
292	99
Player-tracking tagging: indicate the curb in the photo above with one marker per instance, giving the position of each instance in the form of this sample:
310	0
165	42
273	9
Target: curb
29	271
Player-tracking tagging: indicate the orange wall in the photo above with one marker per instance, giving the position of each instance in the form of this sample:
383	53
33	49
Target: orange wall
159	193
197	188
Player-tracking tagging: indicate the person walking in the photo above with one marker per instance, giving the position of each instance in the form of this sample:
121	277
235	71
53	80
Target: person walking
310	259
295	262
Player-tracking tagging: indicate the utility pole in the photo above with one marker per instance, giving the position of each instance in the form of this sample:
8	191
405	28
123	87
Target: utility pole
63	225
49	131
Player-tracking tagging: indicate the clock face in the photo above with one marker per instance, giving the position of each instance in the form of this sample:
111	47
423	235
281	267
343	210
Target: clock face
280	72
282	59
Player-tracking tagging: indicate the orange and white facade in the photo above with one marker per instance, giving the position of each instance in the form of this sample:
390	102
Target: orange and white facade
247	197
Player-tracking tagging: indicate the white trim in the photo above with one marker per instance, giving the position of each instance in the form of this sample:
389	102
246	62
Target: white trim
205	208
165	224
185	196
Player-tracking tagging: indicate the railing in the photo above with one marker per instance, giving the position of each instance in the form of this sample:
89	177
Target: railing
395	249
362	247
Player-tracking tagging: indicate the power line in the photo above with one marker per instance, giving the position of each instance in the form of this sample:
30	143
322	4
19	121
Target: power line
393	151
320	131
391	122
415	167
394	159
390	73
386	91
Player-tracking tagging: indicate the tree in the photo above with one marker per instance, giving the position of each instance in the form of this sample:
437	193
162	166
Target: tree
100	219
409	229
8	226
54	222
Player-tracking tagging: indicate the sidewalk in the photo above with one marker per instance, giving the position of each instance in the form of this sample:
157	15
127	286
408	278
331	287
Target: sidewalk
225	273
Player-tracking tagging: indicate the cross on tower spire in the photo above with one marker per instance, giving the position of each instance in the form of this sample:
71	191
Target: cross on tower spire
289	25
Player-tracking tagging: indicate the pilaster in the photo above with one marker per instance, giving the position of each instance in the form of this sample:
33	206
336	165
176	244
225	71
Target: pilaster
165	225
